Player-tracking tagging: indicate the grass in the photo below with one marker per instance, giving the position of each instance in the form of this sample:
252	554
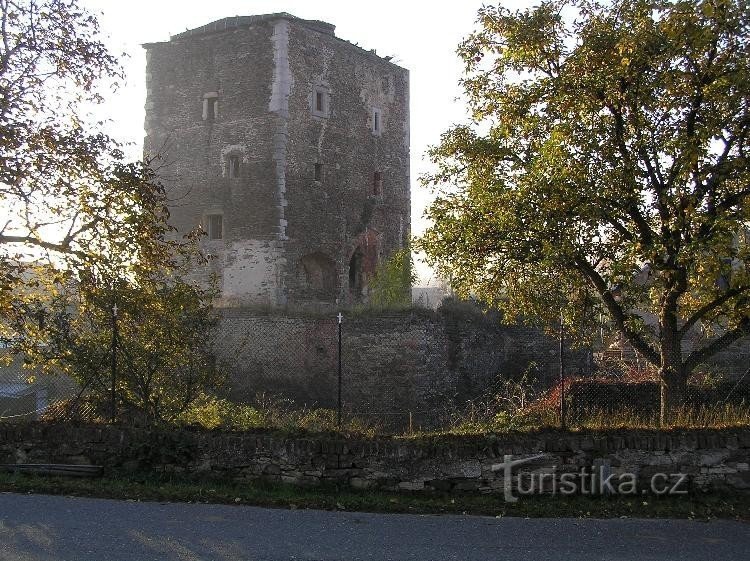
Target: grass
176	489
717	416
273	413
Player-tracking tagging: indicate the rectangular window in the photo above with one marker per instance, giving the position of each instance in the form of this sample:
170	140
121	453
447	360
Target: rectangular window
377	121
210	106
233	167
377	183
320	101
215	223
318	172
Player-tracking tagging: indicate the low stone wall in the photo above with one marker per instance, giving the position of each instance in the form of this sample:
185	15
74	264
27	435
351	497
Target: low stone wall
708	459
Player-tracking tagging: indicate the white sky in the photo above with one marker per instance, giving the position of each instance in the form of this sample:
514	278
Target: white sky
422	37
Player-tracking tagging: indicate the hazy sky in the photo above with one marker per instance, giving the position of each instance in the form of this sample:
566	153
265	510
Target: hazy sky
421	36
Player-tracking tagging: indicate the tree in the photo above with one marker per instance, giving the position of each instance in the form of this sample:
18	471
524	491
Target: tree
84	229
606	158
158	327
69	197
391	285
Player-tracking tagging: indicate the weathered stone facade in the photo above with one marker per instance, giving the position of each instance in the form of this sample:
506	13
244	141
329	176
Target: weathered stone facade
290	147
424	363
708	459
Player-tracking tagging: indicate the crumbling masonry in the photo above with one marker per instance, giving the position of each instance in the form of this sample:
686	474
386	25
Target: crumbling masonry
290	148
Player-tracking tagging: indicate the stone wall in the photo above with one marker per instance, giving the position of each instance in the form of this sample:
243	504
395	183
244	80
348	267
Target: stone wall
232	111
420	362
709	459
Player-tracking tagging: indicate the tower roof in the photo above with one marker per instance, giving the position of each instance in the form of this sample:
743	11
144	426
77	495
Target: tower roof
236	22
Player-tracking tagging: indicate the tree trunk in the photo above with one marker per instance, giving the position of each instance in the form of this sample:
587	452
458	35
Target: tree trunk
673	393
672	371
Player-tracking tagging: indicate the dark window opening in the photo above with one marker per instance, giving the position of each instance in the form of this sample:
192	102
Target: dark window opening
318	172
233	167
215	223
377	121
211	105
377	183
319	102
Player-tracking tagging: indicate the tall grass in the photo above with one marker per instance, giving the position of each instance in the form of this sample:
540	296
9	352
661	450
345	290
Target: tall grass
720	415
273	413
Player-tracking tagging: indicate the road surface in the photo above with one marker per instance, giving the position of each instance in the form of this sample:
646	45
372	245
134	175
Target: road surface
39	527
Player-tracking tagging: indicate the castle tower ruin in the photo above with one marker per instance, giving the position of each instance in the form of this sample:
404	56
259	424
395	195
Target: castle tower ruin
290	148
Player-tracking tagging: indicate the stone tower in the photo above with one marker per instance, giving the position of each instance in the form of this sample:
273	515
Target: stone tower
290	147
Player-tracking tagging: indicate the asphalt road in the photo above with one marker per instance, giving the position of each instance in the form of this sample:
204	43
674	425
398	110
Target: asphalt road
38	527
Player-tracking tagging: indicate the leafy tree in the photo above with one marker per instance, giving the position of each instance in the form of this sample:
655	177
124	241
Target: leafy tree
162	345
83	229
68	196
391	285
605	161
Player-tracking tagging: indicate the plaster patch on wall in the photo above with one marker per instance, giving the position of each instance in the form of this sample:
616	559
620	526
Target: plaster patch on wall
279	104
282	75
250	273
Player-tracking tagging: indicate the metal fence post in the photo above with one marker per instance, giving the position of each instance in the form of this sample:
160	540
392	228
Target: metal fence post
114	363
562	371
340	318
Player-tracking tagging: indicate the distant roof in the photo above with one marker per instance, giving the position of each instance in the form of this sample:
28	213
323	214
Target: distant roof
235	22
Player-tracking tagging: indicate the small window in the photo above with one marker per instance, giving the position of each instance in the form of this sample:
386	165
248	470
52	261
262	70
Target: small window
318	172
377	183
233	166
320	101
377	121
210	106
215	223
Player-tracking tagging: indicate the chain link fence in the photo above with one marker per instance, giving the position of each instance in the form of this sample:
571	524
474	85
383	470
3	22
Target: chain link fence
404	374
30	394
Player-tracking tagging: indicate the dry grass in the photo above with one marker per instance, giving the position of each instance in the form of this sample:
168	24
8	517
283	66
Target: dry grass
273	413
722	415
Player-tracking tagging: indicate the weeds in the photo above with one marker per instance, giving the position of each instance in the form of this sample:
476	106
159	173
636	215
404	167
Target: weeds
274	413
512	406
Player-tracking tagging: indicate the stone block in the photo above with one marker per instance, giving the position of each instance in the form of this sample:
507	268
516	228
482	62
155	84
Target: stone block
411	485
362	483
